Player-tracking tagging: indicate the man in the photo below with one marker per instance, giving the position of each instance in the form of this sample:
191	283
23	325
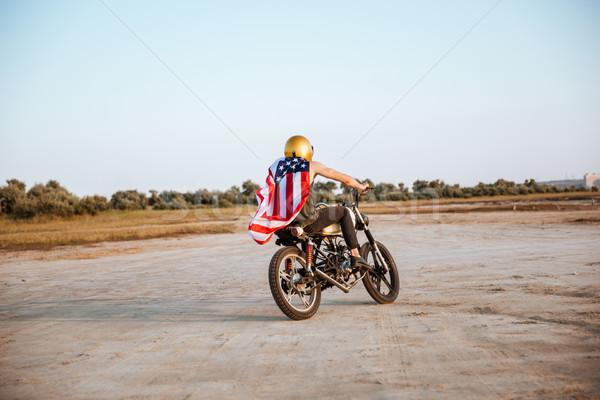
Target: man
298	171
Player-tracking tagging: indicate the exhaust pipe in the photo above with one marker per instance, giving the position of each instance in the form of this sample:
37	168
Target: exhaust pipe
335	283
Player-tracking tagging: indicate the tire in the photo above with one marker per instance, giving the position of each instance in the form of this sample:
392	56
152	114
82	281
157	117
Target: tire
297	301
383	288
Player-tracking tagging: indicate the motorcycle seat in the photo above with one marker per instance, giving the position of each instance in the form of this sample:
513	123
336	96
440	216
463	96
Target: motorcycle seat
331	230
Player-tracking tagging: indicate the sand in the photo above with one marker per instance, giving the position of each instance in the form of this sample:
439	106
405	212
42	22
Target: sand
493	305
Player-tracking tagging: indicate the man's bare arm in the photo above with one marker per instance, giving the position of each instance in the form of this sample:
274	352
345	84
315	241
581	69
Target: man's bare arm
316	168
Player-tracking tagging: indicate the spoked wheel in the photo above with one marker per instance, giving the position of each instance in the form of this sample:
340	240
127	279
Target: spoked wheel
382	286
295	293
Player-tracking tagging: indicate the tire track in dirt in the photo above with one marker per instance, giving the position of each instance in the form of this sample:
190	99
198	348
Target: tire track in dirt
394	346
165	337
493	354
464	363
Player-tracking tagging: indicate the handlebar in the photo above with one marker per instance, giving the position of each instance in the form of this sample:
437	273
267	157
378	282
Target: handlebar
365	191
356	194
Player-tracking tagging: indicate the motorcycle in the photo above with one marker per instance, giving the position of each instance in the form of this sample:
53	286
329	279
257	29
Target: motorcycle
309	263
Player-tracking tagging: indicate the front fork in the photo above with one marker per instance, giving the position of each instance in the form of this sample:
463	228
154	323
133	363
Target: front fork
378	254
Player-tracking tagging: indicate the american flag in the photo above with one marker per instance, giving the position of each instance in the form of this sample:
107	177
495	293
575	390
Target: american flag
281	199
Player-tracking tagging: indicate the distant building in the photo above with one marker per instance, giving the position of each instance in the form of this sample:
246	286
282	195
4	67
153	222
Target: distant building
591	180
565	183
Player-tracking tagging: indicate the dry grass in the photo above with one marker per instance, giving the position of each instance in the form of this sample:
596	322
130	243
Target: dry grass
45	233
531	202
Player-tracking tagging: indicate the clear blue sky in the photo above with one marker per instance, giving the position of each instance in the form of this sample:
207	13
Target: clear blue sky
85	102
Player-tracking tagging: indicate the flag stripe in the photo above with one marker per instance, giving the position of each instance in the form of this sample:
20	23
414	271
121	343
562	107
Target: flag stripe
283	197
289	194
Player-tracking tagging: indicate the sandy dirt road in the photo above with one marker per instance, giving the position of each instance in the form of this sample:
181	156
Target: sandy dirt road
493	305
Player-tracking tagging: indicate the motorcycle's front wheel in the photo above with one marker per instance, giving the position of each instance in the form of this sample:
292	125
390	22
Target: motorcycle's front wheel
382	286
295	293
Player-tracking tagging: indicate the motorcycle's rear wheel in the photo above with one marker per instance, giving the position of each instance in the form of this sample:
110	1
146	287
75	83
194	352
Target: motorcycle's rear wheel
295	293
383	287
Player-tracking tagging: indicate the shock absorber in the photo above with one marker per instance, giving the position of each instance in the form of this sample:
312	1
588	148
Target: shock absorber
309	256
288	265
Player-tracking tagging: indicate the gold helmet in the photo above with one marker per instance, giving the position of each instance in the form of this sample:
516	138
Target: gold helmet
298	146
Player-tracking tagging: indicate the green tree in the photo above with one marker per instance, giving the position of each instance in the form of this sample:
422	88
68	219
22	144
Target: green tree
203	196
173	200
128	200
324	191
228	198
94	204
53	199
382	189
249	190
155	201
419	185
11	196
425	190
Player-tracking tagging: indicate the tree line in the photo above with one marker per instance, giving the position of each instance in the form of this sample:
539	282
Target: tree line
437	189
52	199
55	200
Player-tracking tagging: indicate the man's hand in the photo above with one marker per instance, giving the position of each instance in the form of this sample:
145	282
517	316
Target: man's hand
363	188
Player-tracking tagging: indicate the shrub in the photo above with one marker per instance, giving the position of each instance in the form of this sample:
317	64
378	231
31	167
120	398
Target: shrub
25	208
94	204
173	200
203	196
324	196
249	189
340	198
233	195
224	203
155	201
396	196
52	199
128	200
225	199
383	189
11	195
